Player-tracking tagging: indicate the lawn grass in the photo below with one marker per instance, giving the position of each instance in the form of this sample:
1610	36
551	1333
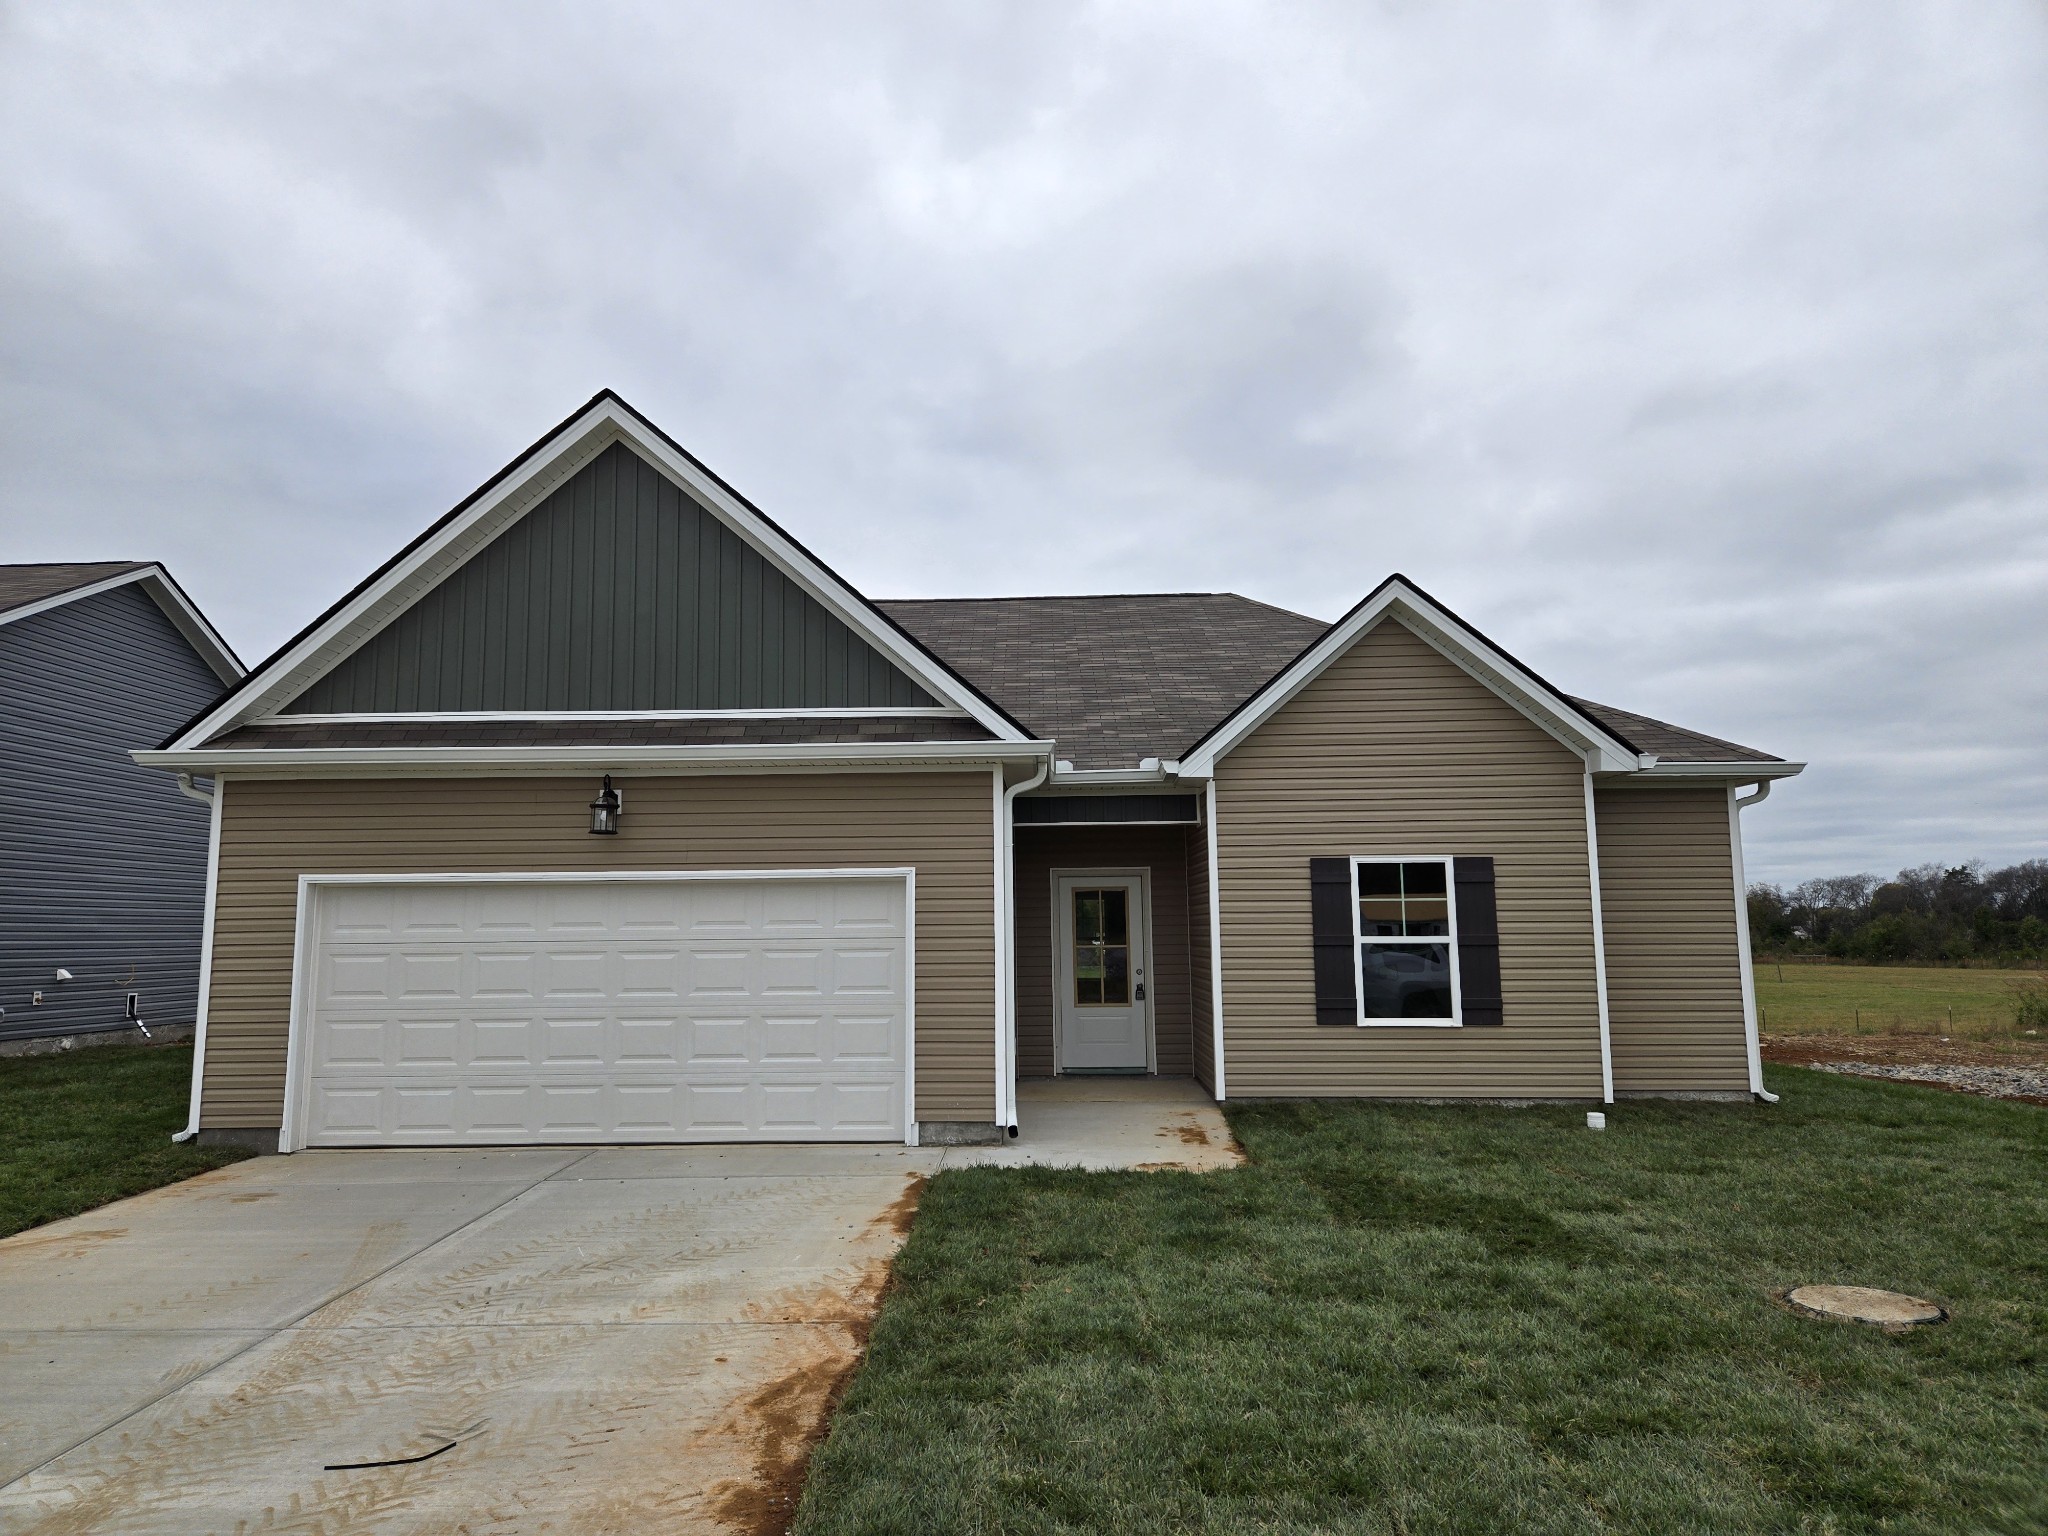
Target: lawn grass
1800	999
1410	1319
80	1129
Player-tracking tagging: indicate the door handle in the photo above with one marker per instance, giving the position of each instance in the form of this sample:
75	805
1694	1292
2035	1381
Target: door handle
1139	995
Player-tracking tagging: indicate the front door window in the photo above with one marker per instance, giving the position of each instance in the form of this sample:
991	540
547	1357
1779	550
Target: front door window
1102	947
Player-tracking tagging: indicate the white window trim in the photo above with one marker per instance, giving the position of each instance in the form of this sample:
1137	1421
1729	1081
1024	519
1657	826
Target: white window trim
298	1075
1359	941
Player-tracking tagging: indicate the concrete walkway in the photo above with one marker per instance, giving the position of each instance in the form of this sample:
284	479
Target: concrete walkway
1112	1122
610	1339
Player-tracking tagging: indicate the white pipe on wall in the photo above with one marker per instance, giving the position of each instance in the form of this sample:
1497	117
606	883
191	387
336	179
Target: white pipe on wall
205	948
1006	945
1749	1021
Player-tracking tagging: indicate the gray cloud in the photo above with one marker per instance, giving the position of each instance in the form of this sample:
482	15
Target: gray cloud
1699	355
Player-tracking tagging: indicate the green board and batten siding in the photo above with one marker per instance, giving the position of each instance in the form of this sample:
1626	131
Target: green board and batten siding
617	592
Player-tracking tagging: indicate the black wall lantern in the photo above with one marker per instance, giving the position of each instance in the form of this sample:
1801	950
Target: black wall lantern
604	810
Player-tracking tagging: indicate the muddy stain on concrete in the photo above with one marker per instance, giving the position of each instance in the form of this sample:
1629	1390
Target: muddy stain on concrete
62	1245
1191	1131
785	1422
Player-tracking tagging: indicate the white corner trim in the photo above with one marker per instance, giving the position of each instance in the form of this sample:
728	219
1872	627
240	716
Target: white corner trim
298	1077
168	596
1750	1035
220	789
1215	944
605	422
1599	948
1450	637
1000	896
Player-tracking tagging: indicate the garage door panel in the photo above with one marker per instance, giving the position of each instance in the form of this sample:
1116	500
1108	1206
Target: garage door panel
631	1010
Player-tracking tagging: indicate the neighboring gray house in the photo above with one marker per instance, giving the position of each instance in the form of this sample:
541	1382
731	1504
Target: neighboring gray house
102	863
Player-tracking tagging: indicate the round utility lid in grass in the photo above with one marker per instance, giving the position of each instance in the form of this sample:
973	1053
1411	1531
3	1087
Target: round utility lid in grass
1862	1304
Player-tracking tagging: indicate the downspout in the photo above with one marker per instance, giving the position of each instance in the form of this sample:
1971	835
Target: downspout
212	801
1006	950
1215	940
1599	948
1749	1022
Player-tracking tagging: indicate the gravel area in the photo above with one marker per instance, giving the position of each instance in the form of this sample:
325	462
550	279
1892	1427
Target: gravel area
1993	1082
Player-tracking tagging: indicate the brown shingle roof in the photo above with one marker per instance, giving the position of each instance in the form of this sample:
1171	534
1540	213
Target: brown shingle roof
1674	742
24	584
1118	679
1114	679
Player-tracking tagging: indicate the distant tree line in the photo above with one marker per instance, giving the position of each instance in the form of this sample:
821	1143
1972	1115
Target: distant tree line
1931	915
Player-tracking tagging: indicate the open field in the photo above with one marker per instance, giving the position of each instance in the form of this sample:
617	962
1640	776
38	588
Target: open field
79	1130
1808	999
1417	1319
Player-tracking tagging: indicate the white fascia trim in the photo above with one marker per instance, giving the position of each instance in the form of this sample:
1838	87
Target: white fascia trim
761	758
605	423
573	716
1720	773
1445	634
191	623
298	1080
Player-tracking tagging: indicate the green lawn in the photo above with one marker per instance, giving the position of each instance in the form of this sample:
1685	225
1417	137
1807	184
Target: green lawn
1887	999
1410	1319
91	1126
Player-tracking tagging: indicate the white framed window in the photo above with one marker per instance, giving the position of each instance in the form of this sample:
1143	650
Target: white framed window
1404	919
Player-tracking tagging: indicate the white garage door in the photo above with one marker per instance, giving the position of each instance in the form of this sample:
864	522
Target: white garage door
669	1009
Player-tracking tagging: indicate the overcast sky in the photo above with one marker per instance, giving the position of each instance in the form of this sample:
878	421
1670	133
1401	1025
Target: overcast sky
1697	354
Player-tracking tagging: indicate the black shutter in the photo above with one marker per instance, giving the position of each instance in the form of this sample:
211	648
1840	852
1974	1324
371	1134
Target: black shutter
1478	941
1329	907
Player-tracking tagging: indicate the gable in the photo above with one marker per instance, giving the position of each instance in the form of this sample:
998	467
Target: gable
616	593
1455	642
1393	703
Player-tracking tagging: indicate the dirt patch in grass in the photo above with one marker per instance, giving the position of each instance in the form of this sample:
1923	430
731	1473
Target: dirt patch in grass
1902	1050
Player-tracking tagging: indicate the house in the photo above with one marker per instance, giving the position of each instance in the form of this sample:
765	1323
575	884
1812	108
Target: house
102	863
605	811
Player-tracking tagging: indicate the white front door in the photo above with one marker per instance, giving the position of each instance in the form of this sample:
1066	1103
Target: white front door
487	1011
1101	957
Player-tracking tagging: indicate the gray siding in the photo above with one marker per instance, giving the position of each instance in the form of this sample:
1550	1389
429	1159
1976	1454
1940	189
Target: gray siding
102	863
617	592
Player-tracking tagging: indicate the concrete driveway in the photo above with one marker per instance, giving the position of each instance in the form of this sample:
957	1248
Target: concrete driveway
573	1340
608	1340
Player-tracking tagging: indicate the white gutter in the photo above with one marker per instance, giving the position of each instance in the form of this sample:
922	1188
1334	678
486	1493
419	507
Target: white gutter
692	758
1728	773
1149	771
1749	1021
186	786
1006	942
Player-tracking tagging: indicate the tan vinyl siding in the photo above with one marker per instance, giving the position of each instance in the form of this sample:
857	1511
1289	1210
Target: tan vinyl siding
1674	960
1041	850
1201	1021
272	831
1396	750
